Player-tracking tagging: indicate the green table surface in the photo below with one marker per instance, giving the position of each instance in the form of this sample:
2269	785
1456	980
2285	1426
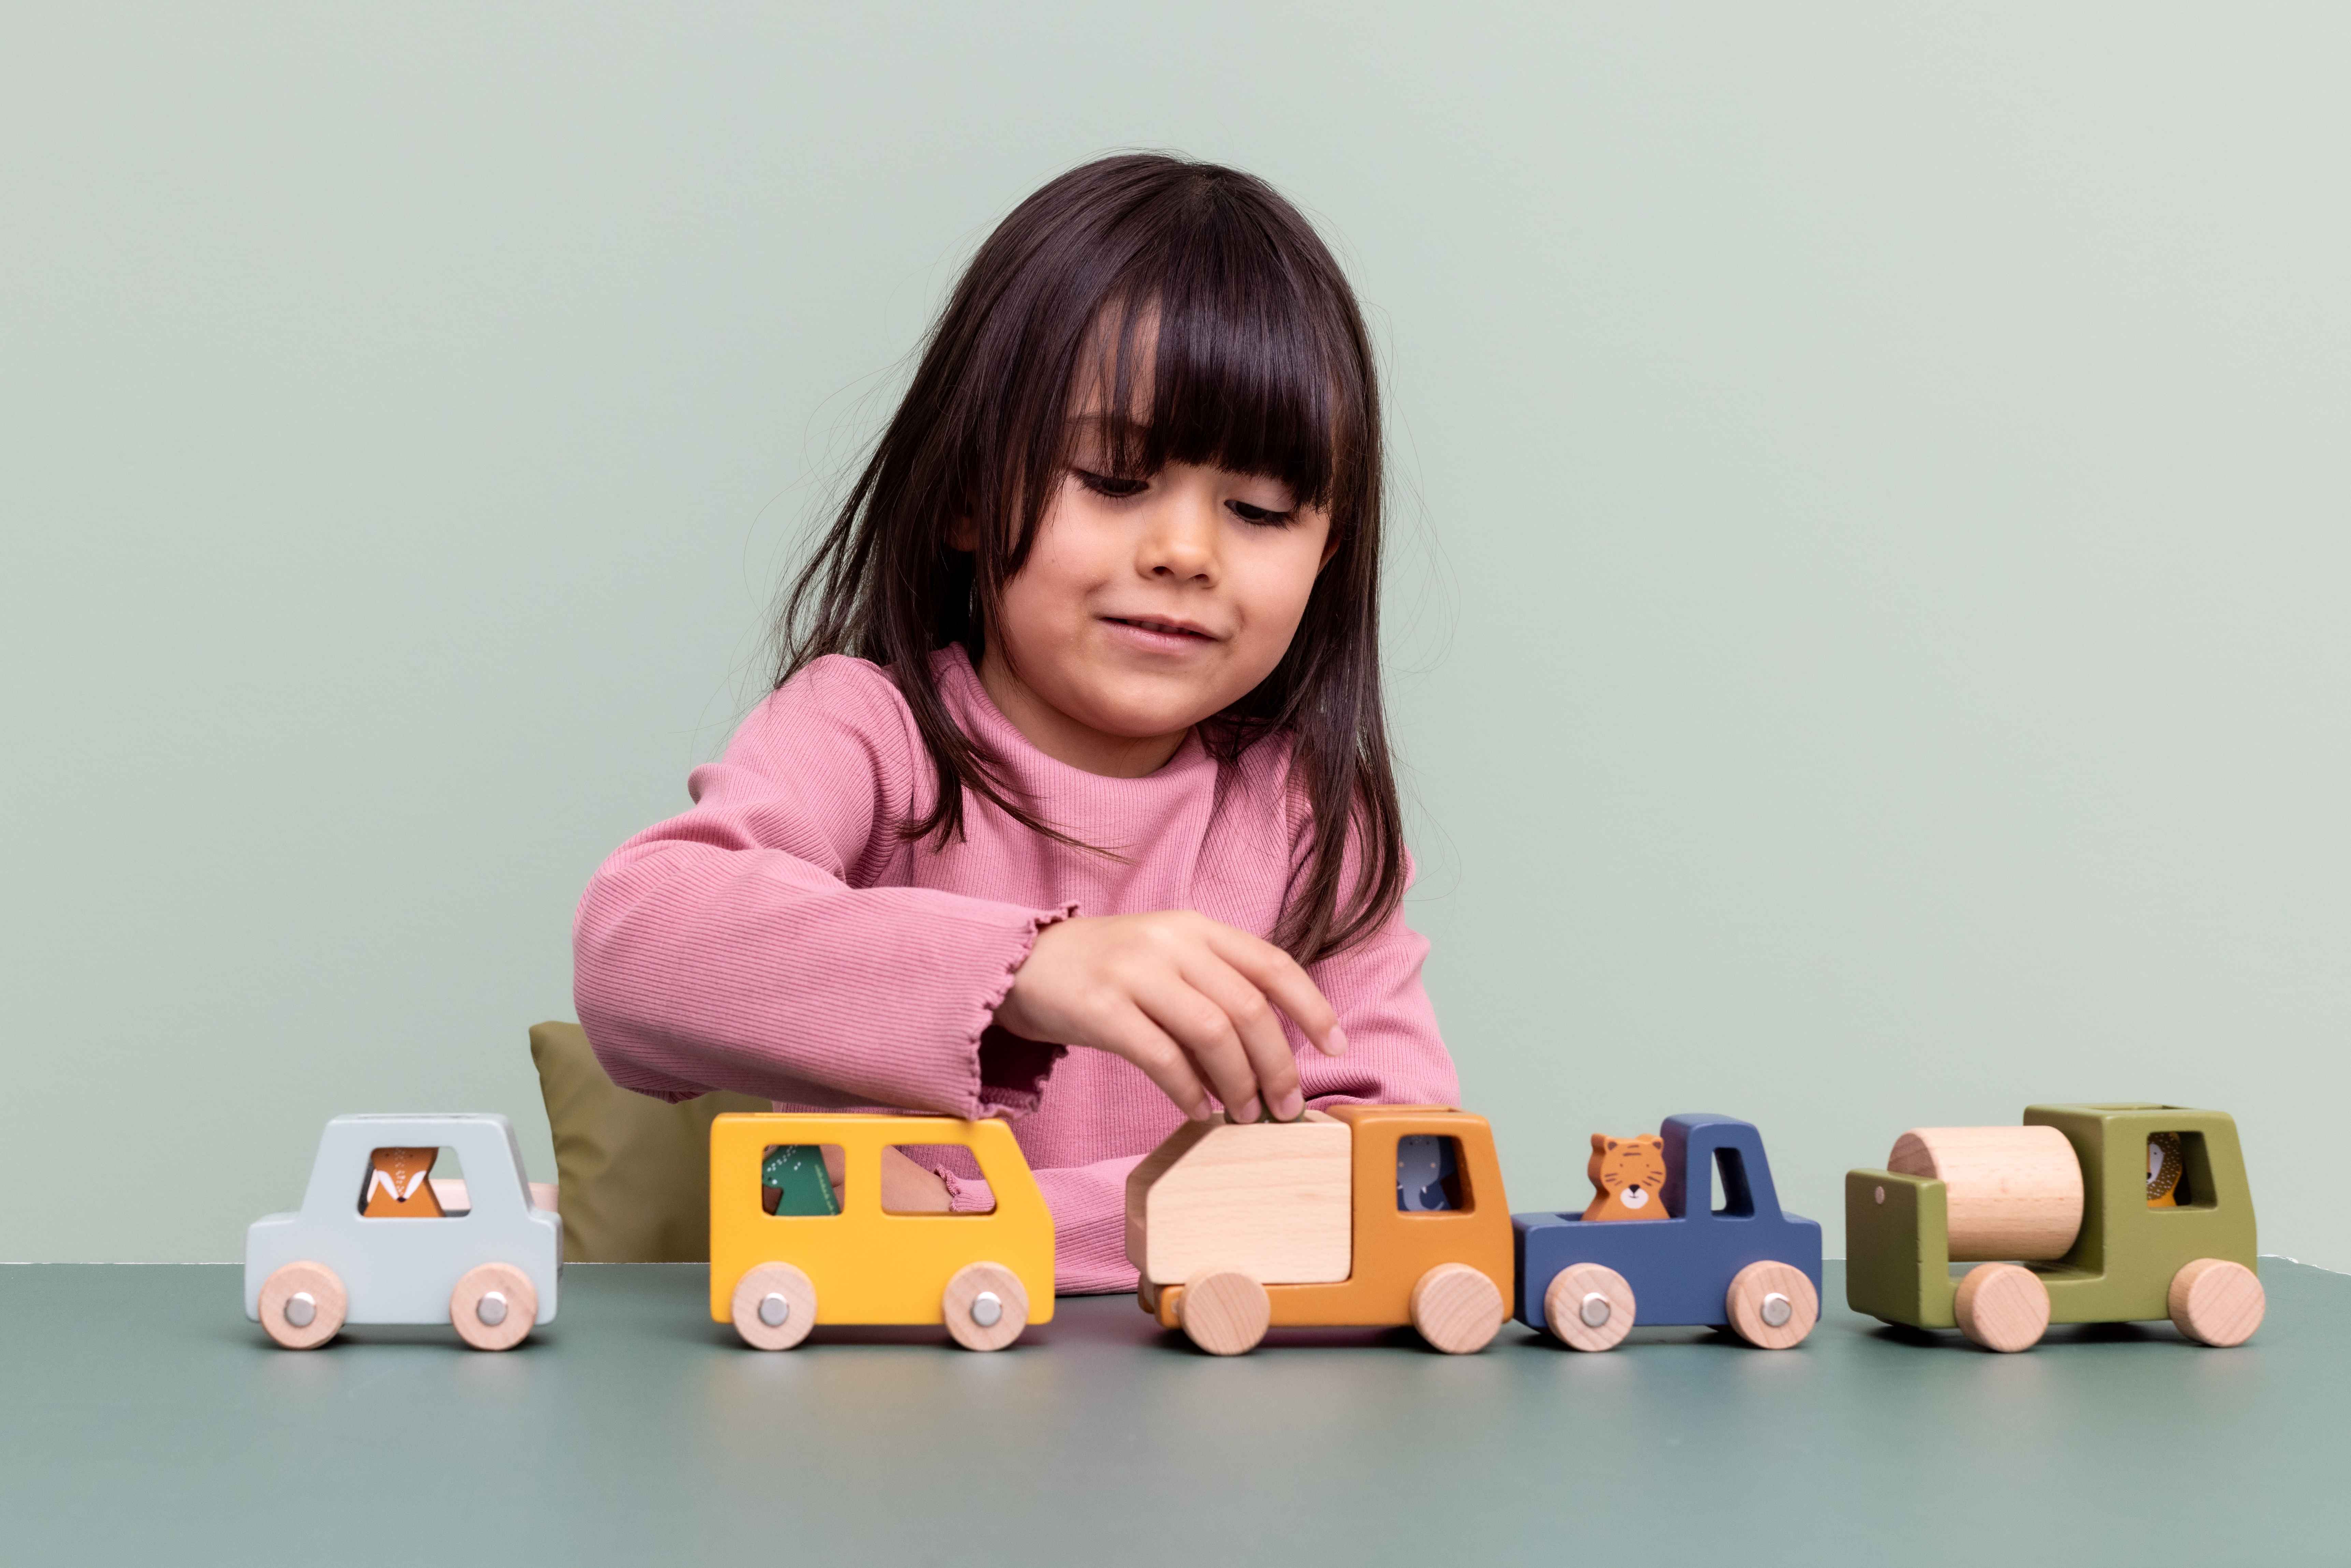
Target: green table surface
143	1419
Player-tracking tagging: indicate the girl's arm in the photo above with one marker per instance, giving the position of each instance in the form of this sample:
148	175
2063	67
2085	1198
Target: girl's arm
733	946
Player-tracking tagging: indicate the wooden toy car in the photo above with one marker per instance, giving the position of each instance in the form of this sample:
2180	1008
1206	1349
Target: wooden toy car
775	1276
1746	1266
376	1241
2113	1214
1239	1228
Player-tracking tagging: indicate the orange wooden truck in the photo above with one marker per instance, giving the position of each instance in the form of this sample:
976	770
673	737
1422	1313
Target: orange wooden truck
1238	1228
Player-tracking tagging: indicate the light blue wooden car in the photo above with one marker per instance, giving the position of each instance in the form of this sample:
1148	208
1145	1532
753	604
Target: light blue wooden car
488	1267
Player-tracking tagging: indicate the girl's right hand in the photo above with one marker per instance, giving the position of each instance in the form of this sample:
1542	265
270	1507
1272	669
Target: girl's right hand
1190	1000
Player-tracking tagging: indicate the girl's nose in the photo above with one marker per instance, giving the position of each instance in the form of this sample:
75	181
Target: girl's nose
1180	546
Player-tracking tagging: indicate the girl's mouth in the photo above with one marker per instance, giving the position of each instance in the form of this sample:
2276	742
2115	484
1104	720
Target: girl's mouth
1152	631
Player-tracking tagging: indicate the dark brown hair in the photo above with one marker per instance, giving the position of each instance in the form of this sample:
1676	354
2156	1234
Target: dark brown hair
1259	364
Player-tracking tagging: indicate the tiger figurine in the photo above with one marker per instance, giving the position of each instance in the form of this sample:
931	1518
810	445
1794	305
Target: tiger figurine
1629	1176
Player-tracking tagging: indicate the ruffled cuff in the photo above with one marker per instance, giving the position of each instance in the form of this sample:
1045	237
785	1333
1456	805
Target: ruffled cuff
1012	1070
967	1194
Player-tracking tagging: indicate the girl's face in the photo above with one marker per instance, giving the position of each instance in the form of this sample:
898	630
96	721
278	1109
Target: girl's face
1147	605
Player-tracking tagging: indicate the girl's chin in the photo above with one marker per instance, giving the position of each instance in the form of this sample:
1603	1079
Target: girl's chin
1129	726
1127	715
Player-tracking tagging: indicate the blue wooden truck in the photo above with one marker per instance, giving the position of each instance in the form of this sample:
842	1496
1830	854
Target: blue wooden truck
1746	1266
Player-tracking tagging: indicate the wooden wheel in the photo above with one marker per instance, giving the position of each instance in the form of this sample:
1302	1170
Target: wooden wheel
1772	1306
1456	1309
2215	1302
2002	1306
494	1306
986	1306
1588	1306
774	1307
1223	1313
302	1305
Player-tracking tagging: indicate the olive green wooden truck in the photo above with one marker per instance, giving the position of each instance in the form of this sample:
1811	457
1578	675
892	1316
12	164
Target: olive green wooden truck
2141	1213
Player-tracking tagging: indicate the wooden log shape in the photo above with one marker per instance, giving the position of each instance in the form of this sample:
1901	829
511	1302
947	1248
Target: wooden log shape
327	1305
1456	1309
1764	1291
1225	1312
2215	1302
963	1310
516	1309
2002	1307
2013	1192
1569	1306
751	1293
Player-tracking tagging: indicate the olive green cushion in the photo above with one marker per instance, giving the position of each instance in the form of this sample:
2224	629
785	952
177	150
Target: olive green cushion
635	1172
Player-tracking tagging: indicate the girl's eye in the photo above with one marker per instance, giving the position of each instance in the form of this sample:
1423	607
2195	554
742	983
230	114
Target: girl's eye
1261	517
1107	485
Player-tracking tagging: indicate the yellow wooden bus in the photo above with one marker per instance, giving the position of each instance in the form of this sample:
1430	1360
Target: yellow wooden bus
775	1276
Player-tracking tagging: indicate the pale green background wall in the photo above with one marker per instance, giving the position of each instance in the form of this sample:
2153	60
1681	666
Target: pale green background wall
1872	647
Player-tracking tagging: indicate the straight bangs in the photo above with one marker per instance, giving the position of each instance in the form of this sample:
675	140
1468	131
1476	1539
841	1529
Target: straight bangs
1243	371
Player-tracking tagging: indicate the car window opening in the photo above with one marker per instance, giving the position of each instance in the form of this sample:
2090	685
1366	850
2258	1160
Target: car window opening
1428	1175
2178	1171
905	1191
807	1179
402	1183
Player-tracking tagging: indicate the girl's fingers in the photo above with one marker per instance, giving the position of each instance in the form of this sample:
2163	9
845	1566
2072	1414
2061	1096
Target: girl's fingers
1200	1026
1280	978
1253	1018
1131	1033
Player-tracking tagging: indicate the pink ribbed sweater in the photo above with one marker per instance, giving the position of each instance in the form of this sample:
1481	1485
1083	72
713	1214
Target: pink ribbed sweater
781	938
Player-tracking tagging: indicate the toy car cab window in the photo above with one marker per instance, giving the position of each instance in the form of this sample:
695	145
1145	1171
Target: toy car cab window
1429	1180
399	1184
801	1179
916	1190
2178	1171
1729	1184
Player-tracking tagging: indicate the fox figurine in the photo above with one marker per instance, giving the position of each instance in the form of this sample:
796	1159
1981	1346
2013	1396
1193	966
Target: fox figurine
399	1185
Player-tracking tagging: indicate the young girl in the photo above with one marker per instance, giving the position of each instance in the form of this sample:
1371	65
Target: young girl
1073	803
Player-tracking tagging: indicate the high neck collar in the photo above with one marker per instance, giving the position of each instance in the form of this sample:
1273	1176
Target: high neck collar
966	697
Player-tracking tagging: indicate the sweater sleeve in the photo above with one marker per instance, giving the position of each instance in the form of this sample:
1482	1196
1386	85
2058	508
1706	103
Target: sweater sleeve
734	946
1396	1056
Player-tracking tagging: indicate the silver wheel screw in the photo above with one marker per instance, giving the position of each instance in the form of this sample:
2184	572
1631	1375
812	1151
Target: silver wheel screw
302	1309
492	1308
1776	1311
1596	1310
774	1309
988	1309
